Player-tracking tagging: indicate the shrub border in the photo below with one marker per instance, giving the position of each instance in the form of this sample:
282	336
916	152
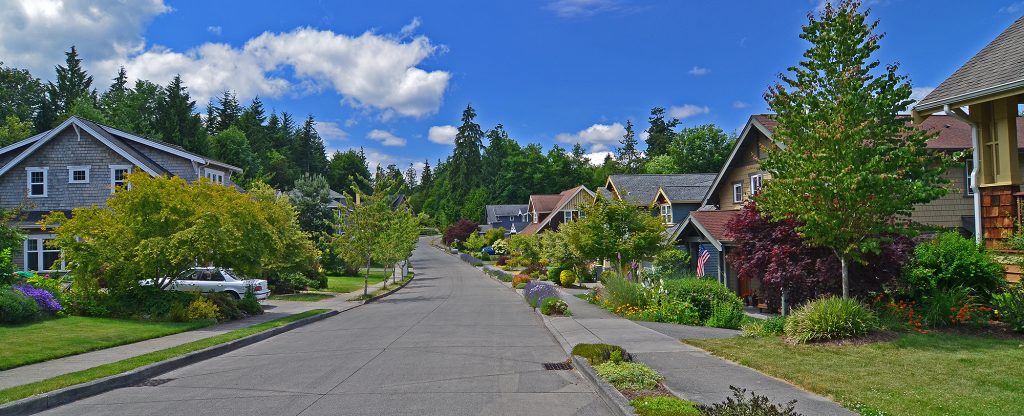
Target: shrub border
60	397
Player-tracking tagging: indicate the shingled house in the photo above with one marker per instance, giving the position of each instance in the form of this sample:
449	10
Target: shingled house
81	163
549	211
512	218
672	197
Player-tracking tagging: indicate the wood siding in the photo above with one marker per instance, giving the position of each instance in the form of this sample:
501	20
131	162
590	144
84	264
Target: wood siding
949	210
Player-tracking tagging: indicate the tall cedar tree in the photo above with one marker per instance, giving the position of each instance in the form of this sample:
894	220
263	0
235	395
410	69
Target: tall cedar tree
176	121
659	134
850	166
72	84
426	176
308	151
466	162
629	156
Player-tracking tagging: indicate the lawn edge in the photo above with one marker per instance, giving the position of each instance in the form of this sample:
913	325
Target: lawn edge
60	397
390	292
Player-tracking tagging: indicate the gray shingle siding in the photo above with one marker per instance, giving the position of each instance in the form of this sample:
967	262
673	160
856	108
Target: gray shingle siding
177	165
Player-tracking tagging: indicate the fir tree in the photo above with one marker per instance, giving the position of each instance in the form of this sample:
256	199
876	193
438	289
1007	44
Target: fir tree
176	121
465	161
659	134
628	155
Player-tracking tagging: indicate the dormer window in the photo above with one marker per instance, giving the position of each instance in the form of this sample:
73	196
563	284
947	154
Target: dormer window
666	214
214	176
37	182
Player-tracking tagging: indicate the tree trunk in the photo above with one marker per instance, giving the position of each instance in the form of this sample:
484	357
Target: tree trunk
366	279
846	277
784	302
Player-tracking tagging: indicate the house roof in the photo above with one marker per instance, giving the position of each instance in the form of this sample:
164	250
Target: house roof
674	194
530	228
765	123
641	189
120	142
495	211
713	225
955	134
998	68
564	198
544	203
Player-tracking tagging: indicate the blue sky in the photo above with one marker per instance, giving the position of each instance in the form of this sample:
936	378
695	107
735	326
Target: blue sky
385	75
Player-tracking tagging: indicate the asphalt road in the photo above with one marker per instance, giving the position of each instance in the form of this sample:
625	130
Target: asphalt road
452	342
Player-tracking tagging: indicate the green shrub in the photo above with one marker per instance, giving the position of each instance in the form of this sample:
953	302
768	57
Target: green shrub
227	306
725	315
619	291
483	256
703	294
741	405
520	286
951	261
201	309
770	327
672	261
554	272
664	406
939	307
668	310
15	307
288	282
554	306
1009	306
567	278
830	318
500	247
145	302
250	305
629	375
599	353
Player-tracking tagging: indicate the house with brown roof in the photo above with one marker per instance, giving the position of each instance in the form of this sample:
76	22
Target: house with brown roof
990	86
741	177
547	212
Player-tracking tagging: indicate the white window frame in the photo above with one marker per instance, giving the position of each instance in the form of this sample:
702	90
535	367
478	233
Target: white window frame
40	251
666	214
570	215
756	181
46	181
113	177
214	175
968	180
73	169
737	192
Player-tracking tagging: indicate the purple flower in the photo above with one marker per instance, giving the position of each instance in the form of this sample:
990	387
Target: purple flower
43	297
536	291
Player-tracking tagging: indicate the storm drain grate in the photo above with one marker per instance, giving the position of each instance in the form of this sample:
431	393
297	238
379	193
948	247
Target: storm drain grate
557	366
153	382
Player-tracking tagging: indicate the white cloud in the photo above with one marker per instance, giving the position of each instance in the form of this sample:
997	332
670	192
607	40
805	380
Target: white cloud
600	137
739	104
581	8
698	71
442	134
597	158
408	29
370	71
216	30
36	33
687	110
385	137
644	135
330	131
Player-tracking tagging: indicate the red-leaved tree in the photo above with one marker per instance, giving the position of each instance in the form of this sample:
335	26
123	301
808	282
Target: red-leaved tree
774	253
459	230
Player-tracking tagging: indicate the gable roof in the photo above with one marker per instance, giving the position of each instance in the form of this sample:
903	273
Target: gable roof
997	69
713	225
642	189
564	198
118	141
764	123
955	134
543	203
677	194
495	211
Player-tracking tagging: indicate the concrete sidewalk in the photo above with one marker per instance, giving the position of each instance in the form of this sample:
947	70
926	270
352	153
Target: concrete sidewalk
274	309
690	373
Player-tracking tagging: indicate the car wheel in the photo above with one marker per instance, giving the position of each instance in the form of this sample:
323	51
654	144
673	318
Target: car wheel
233	295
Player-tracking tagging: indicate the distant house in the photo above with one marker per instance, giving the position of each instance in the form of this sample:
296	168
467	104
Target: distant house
671	197
547	212
741	177
512	218
79	164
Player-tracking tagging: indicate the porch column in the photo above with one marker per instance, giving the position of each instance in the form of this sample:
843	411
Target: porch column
999	174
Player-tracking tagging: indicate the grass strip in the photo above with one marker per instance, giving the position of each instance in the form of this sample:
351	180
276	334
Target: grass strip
302	297
384	290
106	370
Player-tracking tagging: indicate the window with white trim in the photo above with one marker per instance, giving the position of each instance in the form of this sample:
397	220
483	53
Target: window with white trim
570	215
666	214
78	174
41	257
737	192
755	183
37	182
119	176
214	176
968	180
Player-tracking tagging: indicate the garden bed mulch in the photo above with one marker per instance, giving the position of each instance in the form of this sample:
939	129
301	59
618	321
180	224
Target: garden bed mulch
659	391
995	329
877	336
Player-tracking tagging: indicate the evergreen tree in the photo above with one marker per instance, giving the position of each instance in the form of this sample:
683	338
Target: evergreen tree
426	177
21	96
849	168
348	170
465	161
700	149
176	121
629	157
231	146
410	177
308	151
227	112
72	84
252	123
660	133
311	198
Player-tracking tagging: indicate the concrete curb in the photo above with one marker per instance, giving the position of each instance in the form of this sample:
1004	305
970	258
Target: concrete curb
615	400
388	293
49	400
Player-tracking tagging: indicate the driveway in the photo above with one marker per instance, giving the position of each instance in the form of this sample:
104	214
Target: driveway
452	342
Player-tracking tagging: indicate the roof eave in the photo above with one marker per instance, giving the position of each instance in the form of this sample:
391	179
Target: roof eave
927	108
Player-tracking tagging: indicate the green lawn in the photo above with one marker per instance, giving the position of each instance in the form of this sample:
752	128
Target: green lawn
301	297
916	374
346	284
55	338
20	392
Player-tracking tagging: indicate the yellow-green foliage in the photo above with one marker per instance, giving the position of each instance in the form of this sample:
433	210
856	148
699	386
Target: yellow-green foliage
201	309
567	278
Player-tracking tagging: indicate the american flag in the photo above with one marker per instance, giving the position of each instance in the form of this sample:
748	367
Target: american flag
702	257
